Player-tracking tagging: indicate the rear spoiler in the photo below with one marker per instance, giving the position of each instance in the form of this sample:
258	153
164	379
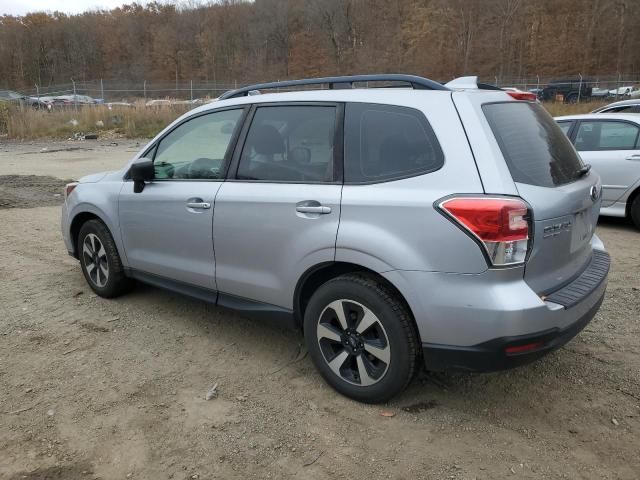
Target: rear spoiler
471	83
467	83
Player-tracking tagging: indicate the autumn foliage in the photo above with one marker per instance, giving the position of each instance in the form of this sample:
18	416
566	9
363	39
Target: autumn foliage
234	40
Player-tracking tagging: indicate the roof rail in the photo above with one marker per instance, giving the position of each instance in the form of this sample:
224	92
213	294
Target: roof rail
417	83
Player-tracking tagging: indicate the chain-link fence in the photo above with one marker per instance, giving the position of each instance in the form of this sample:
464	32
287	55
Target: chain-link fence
611	86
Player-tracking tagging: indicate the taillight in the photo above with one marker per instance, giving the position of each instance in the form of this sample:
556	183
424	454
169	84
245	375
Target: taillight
501	225
529	96
68	188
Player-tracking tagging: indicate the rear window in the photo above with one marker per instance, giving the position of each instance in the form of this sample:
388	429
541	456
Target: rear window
533	145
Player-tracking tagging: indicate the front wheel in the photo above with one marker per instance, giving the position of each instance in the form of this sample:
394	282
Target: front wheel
361	338
100	261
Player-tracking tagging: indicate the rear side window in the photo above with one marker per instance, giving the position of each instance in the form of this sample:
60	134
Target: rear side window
601	135
536	150
384	142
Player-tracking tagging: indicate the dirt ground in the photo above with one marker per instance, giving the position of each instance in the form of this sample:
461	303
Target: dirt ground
114	389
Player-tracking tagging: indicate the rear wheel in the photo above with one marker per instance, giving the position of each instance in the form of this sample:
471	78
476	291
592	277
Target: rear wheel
361	338
100	261
634	212
572	98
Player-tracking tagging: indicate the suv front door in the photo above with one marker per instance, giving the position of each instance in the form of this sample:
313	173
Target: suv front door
277	214
611	147
167	229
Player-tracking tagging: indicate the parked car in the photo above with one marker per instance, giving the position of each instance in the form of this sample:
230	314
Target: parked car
621	91
73	100
158	103
112	105
19	99
567	90
597	92
623	106
610	142
442	224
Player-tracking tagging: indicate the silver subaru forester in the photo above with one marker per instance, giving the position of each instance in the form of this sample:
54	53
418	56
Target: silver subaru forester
445	225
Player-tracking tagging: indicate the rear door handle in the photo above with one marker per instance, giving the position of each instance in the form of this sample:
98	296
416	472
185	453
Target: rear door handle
634	157
199	205
313	209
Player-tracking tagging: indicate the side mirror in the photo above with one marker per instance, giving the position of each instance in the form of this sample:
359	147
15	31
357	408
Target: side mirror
141	171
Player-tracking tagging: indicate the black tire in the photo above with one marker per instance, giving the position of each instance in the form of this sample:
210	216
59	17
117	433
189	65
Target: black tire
393	333
572	98
634	212
94	234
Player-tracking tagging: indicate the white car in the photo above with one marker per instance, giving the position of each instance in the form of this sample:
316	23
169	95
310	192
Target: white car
622	91
610	143
623	106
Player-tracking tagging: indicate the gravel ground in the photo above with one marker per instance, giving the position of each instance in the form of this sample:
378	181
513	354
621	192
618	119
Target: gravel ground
115	389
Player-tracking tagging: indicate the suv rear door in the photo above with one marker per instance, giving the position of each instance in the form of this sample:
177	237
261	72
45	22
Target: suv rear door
521	144
277	214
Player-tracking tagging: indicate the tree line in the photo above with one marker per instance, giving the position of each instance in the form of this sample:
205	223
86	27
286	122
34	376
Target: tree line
234	40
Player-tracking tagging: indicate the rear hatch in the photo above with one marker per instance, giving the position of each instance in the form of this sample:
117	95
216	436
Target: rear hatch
549	175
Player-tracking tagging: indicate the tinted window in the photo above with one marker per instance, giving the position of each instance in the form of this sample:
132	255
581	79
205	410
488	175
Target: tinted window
599	135
290	144
196	149
565	127
534	147
385	142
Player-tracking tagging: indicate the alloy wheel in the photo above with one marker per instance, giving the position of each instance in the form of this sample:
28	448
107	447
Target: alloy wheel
353	342
95	260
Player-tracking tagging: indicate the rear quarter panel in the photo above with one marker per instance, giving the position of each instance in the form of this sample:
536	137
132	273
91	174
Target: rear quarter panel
394	226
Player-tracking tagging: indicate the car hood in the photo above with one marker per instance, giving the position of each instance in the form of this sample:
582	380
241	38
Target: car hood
94	177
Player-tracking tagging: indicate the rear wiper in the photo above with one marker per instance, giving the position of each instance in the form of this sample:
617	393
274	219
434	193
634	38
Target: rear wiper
584	170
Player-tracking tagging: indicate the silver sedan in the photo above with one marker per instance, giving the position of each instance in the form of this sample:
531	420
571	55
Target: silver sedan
610	143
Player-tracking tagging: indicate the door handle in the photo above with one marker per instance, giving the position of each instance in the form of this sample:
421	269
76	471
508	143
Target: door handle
313	209
634	158
199	205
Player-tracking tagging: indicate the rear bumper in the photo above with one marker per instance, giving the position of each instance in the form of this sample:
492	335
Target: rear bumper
583	295
491	356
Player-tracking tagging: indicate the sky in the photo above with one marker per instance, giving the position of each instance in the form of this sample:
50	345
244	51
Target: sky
20	7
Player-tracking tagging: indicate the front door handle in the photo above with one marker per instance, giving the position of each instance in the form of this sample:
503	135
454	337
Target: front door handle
313	209
634	158
199	205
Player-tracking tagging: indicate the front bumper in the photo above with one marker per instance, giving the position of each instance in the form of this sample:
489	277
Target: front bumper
511	351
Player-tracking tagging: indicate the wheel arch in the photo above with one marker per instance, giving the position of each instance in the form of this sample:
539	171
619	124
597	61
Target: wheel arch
80	219
319	274
630	199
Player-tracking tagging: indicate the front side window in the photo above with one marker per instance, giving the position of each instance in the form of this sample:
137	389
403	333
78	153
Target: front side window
384	142
606	135
196	149
290	144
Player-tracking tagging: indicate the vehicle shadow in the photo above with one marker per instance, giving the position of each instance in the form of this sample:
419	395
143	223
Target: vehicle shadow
616	222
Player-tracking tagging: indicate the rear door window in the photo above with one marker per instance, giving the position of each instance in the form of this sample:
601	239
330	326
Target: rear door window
565	127
606	135
384	142
536	150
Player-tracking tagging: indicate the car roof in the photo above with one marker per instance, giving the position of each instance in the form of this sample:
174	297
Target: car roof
388	96
632	117
622	103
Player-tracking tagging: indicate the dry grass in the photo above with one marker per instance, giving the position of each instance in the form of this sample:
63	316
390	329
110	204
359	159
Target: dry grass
138	122
557	109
